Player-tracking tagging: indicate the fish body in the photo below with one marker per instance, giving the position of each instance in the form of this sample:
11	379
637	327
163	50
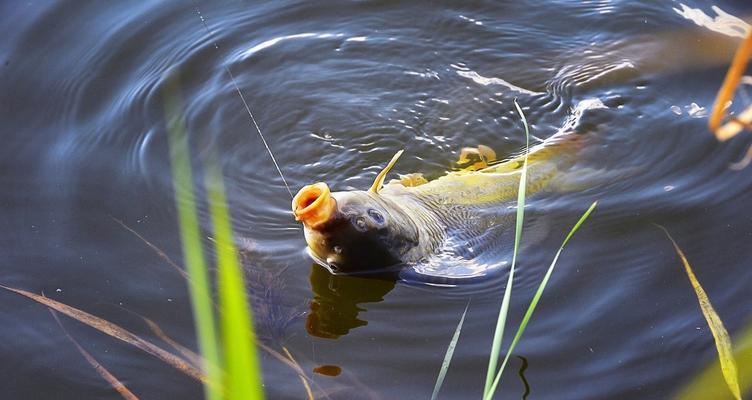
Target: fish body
401	224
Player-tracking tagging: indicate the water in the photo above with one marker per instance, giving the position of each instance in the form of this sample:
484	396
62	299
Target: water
337	88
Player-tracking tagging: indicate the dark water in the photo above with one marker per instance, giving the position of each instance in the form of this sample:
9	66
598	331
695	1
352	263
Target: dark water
338	87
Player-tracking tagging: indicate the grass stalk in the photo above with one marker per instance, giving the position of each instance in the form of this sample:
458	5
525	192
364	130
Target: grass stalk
504	308
448	355
231	364
303	380
536	299
116	384
116	332
242	371
190	236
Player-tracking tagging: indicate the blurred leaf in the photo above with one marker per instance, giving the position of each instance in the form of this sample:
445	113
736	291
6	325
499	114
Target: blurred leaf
710	383
242	371
720	335
726	95
190	236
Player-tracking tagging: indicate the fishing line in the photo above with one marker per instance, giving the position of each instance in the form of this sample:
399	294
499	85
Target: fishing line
245	103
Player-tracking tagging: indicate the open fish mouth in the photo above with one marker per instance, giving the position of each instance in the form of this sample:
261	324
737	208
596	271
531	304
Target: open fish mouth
314	204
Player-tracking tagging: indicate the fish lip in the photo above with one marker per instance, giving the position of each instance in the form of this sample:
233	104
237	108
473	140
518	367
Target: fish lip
314	205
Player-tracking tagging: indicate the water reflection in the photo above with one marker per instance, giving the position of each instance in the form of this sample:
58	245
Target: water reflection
336	298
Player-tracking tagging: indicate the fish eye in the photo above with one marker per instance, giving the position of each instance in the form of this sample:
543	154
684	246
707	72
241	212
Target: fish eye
360	224
376	216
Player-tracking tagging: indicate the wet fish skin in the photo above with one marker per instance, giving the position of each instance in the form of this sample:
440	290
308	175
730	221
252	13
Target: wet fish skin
401	225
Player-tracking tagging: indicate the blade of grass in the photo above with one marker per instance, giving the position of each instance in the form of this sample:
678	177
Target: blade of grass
243	374
126	336
196	359
198	282
307	387
101	370
188	354
115	331
504	308
536	298
284	360
156	249
448	356
720	334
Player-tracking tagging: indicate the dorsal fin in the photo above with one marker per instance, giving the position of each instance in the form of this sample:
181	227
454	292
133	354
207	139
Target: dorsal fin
379	181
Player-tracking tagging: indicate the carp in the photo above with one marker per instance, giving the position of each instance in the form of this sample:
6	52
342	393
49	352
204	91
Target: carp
406	221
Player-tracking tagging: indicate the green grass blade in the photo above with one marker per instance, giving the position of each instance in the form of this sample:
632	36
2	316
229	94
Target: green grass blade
243	374
504	308
190	236
448	356
536	299
720	334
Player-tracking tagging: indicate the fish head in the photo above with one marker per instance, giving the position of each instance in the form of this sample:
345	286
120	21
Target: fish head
354	231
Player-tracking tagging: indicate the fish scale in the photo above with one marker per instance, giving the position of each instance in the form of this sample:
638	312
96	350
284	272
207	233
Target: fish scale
459	216
463	213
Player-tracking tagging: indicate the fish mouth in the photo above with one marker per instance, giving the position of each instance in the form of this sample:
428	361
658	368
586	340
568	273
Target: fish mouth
314	205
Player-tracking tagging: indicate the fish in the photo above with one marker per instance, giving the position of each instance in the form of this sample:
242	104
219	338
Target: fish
407	221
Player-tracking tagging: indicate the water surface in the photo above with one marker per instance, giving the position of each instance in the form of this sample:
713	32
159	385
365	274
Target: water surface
337	88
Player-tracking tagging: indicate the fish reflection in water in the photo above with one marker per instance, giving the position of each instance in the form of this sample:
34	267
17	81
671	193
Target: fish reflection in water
335	306
328	370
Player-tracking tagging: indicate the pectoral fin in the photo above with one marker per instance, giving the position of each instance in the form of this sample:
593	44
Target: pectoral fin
475	158
412	180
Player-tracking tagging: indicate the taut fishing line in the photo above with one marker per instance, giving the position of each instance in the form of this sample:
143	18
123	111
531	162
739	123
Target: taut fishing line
245	103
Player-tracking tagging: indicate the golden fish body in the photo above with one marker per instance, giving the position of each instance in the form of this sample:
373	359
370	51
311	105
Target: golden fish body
406	221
